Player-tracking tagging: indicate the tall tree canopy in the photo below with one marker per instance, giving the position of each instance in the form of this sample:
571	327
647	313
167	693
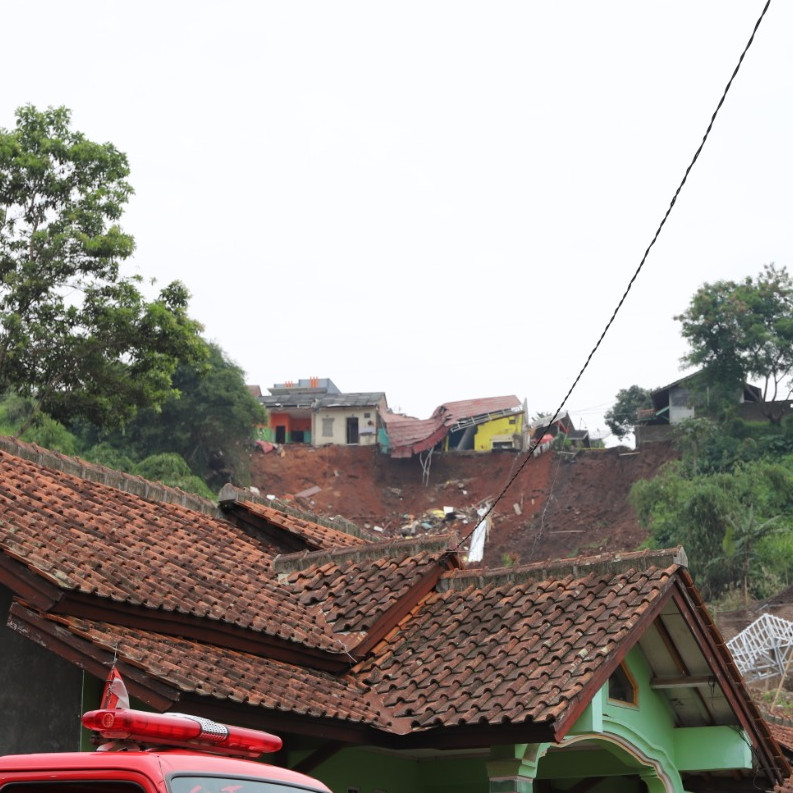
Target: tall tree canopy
621	417
740	331
210	424
74	334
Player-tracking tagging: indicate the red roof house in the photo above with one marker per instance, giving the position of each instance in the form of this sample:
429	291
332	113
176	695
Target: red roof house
384	666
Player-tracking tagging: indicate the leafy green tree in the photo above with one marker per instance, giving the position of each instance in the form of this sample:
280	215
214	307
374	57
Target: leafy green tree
18	412
210	423
744	534
726	521
74	334
740	331
621	417
691	435
172	470
680	511
51	434
105	454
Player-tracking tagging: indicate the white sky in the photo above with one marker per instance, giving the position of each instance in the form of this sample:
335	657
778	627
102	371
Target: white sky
438	200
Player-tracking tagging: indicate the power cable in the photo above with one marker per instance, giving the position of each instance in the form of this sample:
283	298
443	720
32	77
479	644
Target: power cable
533	444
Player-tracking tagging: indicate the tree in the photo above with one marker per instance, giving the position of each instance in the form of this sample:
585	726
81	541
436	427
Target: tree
734	526
621	417
74	334
210	423
171	470
744	330
691	436
744	533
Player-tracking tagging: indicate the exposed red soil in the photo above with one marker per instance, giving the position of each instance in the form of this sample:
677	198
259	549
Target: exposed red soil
554	506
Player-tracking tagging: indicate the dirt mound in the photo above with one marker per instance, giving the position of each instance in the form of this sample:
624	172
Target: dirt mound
552	506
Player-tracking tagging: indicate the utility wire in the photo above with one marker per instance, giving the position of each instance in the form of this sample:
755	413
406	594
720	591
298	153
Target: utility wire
672	203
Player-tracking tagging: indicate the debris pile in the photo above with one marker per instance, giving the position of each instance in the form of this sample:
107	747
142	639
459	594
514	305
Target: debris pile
440	520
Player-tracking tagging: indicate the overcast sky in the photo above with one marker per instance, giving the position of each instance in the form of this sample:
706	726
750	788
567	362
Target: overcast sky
438	200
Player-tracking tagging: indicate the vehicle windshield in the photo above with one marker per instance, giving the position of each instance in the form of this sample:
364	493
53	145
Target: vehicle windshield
223	784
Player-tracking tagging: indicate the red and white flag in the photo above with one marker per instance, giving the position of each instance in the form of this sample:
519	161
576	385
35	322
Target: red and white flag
115	695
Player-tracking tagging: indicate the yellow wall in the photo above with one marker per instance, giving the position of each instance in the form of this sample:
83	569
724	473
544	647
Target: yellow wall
500	429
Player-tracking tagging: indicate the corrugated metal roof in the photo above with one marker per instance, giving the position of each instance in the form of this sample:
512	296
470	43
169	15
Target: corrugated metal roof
469	408
408	436
360	399
318	401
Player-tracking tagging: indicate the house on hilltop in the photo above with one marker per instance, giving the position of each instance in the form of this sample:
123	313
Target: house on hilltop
545	429
316	412
678	401
385	666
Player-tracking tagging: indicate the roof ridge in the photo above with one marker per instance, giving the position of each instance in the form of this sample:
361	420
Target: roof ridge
230	492
119	480
293	562
578	567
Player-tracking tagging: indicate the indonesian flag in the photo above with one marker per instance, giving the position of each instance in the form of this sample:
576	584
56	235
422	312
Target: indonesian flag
115	695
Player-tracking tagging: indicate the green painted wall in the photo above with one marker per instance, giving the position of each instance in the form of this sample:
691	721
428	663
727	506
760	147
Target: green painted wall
380	772
652	717
711	749
463	774
368	772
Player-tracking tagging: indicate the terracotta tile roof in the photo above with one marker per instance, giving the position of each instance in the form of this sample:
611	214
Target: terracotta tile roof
783	734
354	588
509	648
184	600
152	491
96	540
206	670
785	787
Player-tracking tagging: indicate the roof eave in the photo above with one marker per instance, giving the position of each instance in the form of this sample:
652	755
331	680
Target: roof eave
89	657
713	646
197	628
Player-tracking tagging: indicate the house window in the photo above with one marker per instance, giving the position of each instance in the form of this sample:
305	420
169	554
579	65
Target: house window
367	415
622	686
327	428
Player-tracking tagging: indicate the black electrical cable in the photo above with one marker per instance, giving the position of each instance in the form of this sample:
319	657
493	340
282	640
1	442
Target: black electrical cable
672	203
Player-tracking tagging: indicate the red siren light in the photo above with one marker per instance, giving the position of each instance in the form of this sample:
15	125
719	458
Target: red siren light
180	730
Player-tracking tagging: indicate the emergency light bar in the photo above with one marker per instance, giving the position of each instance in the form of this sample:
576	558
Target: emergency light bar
178	729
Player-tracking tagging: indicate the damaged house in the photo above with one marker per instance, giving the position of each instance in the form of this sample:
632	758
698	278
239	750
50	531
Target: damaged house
486	424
